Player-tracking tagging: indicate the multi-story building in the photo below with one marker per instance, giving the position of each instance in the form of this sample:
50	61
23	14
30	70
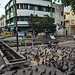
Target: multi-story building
27	7
2	23
69	21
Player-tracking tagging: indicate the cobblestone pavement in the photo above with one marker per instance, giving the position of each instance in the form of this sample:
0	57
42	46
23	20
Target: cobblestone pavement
42	67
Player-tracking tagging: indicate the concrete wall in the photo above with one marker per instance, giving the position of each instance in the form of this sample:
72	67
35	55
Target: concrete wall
58	18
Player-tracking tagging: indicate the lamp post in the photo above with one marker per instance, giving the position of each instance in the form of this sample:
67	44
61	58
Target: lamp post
34	18
16	25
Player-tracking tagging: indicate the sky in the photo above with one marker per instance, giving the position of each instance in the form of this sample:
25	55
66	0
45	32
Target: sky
2	9
3	3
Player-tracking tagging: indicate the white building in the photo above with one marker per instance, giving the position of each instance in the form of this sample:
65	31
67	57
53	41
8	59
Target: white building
27	7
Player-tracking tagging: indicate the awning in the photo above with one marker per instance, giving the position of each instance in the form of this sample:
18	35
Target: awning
72	25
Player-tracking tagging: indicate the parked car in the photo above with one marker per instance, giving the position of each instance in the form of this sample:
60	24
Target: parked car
28	36
21	34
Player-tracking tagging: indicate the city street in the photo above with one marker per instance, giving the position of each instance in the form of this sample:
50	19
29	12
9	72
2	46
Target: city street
37	37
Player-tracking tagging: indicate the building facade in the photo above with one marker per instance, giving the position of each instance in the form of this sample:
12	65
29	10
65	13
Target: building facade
27	7
69	22
2	23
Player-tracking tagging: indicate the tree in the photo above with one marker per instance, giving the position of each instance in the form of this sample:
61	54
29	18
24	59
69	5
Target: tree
69	3
33	22
45	24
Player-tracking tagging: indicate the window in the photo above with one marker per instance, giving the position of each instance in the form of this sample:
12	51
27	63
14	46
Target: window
72	21
67	21
22	18
21	6
26	18
11	20
40	8
36	8
17	6
7	12
25	6
48	9
62	13
44	8
31	7
64	16
73	13
61	23
7	22
17	18
68	13
53	9
11	9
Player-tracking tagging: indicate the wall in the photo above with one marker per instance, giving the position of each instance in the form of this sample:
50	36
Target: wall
58	18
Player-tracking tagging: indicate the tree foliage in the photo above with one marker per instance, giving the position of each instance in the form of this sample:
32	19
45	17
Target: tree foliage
33	21
42	24
68	3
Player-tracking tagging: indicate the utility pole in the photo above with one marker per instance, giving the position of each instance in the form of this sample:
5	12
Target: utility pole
51	8
16	25
34	18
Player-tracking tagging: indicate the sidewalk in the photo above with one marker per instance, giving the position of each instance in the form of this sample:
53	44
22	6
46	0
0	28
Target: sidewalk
66	42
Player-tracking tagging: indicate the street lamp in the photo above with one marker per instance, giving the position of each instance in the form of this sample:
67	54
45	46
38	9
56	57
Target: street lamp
16	25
